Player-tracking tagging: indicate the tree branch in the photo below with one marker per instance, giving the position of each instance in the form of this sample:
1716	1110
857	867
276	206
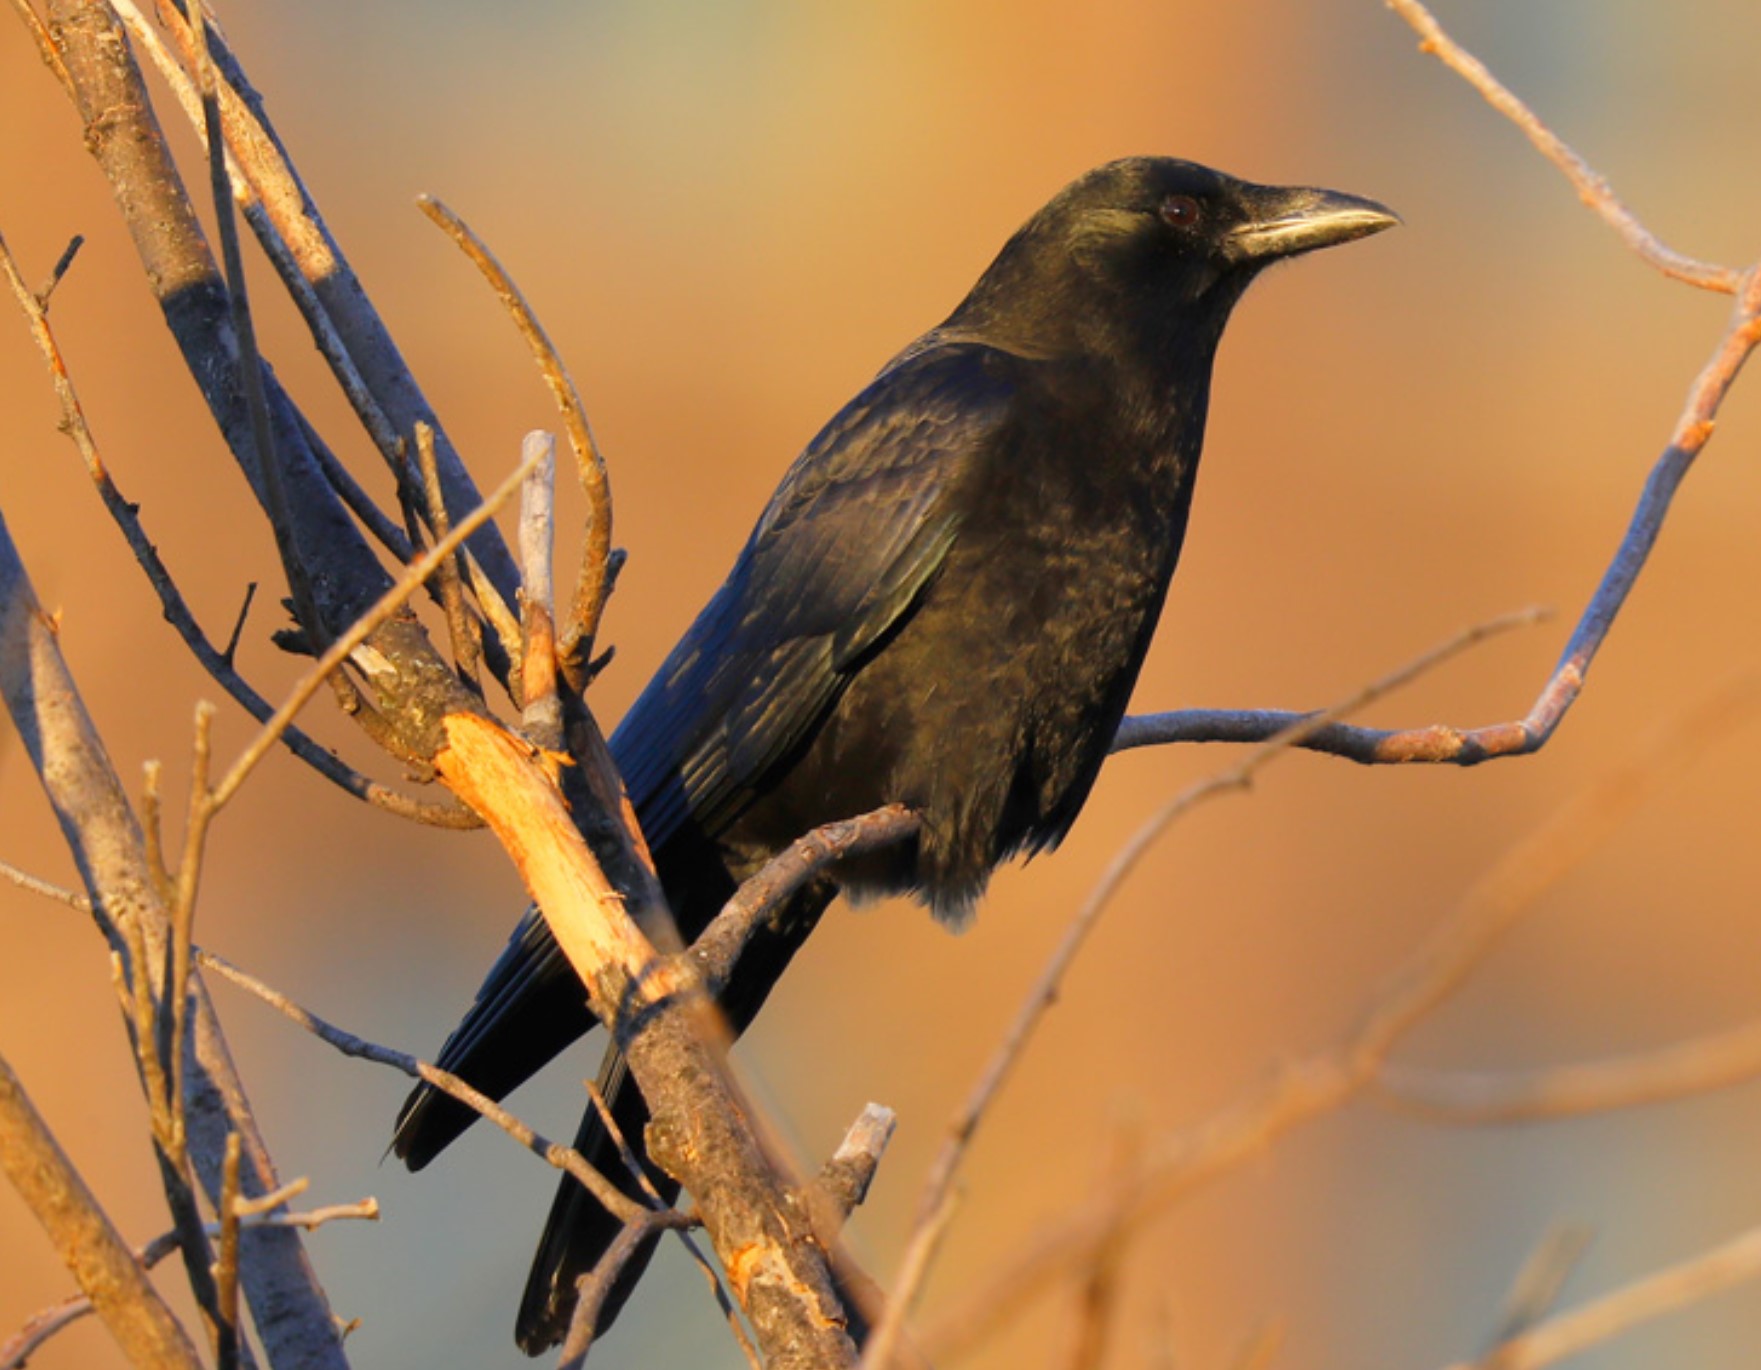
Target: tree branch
288	1305
1441	743
115	1285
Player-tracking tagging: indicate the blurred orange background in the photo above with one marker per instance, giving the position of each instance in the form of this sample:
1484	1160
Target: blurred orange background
729	216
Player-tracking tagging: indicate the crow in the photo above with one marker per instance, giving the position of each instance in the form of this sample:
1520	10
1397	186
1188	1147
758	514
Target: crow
944	605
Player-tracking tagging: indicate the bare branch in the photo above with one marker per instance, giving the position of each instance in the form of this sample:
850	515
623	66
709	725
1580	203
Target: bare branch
1592	188
107	846
1666	1291
718	949
562	1157
17	1350
595	1287
218	664
1681	1070
1466	747
657	1010
843	1181
318	277
144	1327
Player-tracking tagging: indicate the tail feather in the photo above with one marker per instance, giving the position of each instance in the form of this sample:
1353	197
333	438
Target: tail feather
579	1231
530	1007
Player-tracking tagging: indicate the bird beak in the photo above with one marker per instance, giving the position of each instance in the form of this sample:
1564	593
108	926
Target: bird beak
1288	220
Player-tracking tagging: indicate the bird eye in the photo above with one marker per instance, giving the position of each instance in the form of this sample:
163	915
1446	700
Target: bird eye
1181	211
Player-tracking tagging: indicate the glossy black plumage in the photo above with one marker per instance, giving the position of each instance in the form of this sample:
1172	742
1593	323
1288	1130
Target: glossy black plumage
945	604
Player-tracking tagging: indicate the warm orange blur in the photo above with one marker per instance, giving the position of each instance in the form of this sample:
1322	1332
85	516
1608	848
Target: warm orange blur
730	216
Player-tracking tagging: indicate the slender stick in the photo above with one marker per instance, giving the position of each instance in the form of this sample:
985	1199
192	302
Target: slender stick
592	585
1592	188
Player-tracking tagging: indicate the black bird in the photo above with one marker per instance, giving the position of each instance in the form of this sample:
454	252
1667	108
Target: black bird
945	605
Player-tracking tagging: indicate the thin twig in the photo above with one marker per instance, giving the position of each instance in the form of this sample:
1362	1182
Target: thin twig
339	651
632	1166
575	642
467	646
35	885
250	360
541	709
1537	1286
563	1158
1261	1346
228	652
59	271
1592	188
1678	1071
926	1240
39	32
1444	744
274	1199
593	1288
153	828
724	1301
1665	1291
1099	1294
1300	1091
183	915
718	949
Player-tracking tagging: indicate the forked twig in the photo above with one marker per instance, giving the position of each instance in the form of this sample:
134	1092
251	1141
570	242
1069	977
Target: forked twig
1675	1287
340	651
1444	744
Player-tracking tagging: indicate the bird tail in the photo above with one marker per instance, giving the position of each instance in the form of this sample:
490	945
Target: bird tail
579	1231
530	1007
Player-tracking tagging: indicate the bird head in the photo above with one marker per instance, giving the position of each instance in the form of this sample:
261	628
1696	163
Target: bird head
1149	255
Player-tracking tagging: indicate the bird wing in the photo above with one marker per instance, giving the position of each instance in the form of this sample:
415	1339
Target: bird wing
859	526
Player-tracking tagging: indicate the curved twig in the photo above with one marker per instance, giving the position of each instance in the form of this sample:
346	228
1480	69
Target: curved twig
575	641
1592	188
